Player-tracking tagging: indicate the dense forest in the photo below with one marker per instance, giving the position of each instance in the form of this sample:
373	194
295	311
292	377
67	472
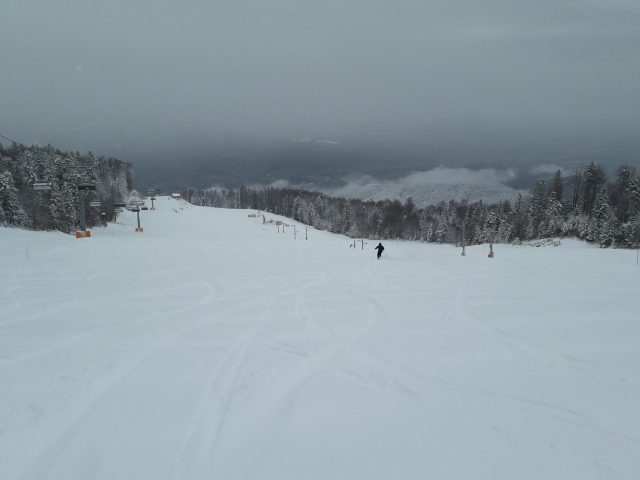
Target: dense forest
57	209
594	209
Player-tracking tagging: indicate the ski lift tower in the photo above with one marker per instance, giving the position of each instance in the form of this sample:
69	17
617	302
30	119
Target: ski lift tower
82	189
88	184
136	208
41	187
152	195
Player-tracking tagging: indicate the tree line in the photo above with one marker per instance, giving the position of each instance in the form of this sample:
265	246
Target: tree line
593	209
57	209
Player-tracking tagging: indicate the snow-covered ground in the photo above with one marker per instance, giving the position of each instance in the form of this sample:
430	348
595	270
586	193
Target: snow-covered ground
212	347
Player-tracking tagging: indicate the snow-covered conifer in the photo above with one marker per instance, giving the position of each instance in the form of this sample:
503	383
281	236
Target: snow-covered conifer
11	213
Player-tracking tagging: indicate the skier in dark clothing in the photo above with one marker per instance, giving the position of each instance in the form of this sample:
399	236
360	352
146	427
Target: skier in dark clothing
379	248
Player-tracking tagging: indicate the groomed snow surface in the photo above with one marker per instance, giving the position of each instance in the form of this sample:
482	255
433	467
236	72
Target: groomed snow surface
212	347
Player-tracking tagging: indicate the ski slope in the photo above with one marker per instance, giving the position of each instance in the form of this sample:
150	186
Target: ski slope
212	347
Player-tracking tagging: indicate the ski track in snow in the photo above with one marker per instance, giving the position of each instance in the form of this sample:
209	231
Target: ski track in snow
208	423
544	354
220	349
546	357
56	445
207	300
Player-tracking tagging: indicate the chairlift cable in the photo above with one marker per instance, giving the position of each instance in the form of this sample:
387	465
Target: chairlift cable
10	139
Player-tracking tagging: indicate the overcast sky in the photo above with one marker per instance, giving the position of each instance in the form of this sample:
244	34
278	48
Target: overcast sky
119	74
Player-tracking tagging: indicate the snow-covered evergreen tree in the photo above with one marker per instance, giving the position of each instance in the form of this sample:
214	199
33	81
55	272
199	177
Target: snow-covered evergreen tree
631	232
346	222
622	193
605	224
592	180
557	187
64	206
552	221
11	213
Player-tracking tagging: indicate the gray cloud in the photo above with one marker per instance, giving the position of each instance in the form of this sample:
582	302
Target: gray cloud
117	76
549	169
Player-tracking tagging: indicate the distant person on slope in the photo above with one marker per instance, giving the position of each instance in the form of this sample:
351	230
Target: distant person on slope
379	248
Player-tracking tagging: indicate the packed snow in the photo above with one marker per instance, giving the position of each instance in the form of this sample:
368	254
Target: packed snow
214	345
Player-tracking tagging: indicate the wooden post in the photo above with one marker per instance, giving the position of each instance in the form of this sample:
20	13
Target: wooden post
464	253
491	254
306	237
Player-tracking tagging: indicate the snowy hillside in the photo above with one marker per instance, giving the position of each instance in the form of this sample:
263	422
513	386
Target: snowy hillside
212	346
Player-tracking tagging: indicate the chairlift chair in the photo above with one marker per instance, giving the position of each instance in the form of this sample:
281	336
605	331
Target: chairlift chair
42	186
